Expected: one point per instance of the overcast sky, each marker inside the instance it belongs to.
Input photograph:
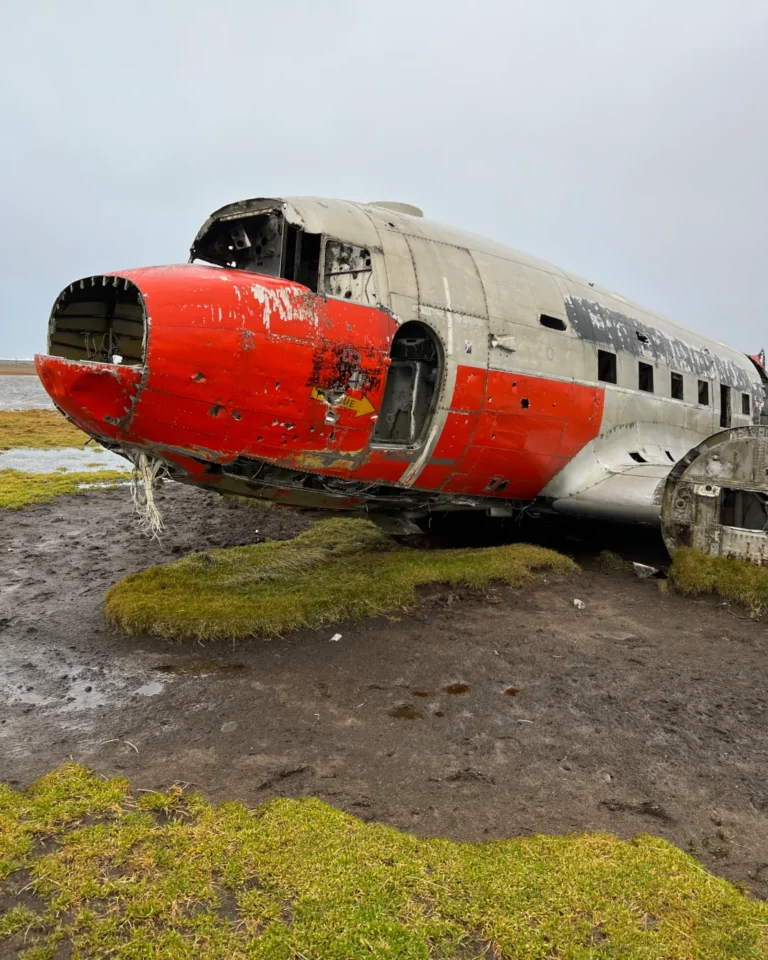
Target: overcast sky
(627, 141)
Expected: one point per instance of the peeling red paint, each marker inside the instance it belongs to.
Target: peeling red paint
(240, 365)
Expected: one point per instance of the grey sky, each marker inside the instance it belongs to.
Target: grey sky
(625, 141)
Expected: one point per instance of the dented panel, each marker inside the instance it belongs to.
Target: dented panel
(716, 497)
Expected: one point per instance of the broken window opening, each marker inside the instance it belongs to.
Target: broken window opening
(606, 366)
(747, 509)
(746, 404)
(725, 405)
(703, 393)
(264, 243)
(552, 323)
(411, 389)
(677, 386)
(100, 319)
(348, 272)
(645, 377)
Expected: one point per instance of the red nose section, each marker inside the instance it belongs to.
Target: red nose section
(209, 364)
(99, 397)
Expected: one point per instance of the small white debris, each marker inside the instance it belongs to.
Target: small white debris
(644, 571)
(229, 727)
(579, 604)
(335, 638)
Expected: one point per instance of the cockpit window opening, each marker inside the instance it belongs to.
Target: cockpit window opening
(412, 385)
(746, 404)
(263, 243)
(348, 272)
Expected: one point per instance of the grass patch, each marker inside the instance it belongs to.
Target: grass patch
(169, 876)
(39, 429)
(694, 572)
(19, 489)
(338, 569)
(610, 562)
(237, 499)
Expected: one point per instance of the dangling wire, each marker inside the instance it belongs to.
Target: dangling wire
(147, 473)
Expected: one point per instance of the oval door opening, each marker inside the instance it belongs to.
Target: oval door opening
(411, 391)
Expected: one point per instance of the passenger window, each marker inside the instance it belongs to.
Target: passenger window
(677, 386)
(606, 366)
(703, 393)
(725, 405)
(552, 323)
(645, 377)
(348, 272)
(746, 404)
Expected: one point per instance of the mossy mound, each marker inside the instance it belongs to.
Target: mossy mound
(694, 572)
(338, 569)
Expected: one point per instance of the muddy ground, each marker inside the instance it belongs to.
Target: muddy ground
(643, 712)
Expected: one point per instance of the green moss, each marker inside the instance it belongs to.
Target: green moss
(169, 876)
(338, 569)
(253, 501)
(39, 429)
(694, 572)
(19, 489)
(609, 562)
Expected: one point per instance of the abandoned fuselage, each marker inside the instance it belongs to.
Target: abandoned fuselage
(347, 355)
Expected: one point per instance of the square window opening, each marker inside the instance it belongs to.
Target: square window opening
(703, 393)
(746, 404)
(606, 366)
(677, 386)
(645, 377)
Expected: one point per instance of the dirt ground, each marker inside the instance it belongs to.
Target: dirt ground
(643, 712)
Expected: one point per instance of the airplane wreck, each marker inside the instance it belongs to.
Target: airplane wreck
(357, 356)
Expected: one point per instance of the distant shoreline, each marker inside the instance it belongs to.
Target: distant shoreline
(20, 369)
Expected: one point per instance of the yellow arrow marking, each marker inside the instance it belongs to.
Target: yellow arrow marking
(361, 408)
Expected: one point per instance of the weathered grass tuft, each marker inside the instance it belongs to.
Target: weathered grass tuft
(19, 489)
(338, 569)
(609, 562)
(168, 876)
(694, 572)
(38, 429)
(236, 498)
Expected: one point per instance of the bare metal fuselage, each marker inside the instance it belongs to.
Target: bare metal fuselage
(349, 355)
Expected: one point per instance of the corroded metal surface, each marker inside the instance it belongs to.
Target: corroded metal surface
(716, 498)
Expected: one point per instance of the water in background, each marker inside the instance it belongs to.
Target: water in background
(20, 392)
(62, 458)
